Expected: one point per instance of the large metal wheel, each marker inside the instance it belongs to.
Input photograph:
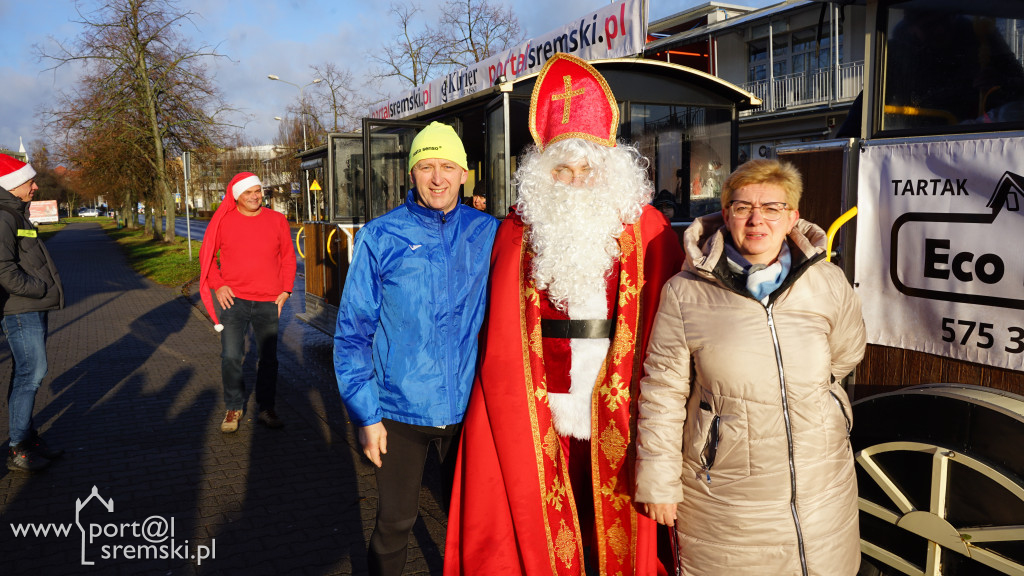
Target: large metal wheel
(940, 470)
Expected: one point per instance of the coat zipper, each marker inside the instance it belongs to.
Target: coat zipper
(789, 439)
(710, 451)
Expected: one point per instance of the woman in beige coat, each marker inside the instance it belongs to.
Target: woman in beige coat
(743, 435)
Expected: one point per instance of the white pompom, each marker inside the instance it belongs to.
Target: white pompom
(219, 327)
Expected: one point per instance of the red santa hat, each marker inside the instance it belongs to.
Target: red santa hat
(14, 172)
(240, 183)
(572, 100)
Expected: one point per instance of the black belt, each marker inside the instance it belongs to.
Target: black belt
(551, 328)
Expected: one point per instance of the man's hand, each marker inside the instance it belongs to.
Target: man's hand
(662, 513)
(225, 297)
(374, 439)
(280, 301)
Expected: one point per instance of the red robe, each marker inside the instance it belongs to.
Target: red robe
(513, 510)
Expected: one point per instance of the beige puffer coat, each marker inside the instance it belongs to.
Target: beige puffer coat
(773, 492)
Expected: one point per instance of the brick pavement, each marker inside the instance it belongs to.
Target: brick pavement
(133, 394)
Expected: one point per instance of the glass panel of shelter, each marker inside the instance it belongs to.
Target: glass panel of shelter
(347, 185)
(689, 149)
(389, 170)
(499, 194)
(516, 112)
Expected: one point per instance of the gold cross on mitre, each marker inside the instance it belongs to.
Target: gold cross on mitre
(567, 97)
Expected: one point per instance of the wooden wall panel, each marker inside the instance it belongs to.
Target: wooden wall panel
(885, 369)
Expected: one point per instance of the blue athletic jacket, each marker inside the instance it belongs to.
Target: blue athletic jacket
(406, 341)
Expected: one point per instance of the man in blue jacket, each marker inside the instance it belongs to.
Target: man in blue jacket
(406, 341)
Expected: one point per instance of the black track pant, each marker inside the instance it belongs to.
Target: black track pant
(398, 487)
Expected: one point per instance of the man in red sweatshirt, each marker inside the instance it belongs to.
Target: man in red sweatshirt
(252, 277)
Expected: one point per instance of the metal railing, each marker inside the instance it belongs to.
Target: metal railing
(804, 89)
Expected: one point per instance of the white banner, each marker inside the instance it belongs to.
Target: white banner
(43, 211)
(940, 248)
(615, 31)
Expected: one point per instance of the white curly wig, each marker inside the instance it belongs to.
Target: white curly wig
(574, 229)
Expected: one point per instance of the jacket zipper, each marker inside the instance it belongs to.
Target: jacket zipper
(710, 451)
(789, 439)
(451, 372)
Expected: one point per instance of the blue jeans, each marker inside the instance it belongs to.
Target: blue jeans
(26, 334)
(262, 316)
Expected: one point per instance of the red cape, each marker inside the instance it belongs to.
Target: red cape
(512, 510)
(207, 254)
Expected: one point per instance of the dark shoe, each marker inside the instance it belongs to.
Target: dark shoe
(230, 423)
(269, 419)
(39, 446)
(21, 458)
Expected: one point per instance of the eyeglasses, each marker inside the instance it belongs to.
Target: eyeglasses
(770, 211)
(570, 175)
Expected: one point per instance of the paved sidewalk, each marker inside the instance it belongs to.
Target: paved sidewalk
(133, 394)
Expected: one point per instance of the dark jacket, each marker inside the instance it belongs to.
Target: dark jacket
(29, 281)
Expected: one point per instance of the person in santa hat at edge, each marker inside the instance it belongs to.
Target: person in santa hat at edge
(248, 261)
(29, 288)
(544, 478)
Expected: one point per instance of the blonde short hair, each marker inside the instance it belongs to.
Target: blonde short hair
(778, 173)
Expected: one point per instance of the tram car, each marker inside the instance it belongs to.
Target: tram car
(929, 181)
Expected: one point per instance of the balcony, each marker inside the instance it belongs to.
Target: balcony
(799, 90)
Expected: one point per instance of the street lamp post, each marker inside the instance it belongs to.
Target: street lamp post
(305, 146)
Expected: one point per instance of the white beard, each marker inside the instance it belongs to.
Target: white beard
(577, 256)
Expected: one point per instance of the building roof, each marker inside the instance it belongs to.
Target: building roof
(710, 12)
(721, 26)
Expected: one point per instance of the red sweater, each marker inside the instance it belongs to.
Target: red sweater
(257, 259)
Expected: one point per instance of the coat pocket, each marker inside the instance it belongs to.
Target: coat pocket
(843, 411)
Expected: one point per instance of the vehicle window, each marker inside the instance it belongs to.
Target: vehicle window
(950, 66)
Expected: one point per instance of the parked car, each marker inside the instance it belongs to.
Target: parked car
(88, 212)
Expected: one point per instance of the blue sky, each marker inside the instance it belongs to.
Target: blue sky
(260, 37)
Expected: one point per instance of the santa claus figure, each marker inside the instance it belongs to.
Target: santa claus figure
(544, 479)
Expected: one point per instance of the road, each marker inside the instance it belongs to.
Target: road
(198, 228)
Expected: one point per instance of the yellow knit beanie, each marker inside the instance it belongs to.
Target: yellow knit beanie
(438, 141)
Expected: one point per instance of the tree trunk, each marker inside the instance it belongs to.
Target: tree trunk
(157, 223)
(163, 189)
(169, 231)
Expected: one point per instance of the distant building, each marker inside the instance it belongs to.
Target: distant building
(269, 162)
(803, 59)
(19, 155)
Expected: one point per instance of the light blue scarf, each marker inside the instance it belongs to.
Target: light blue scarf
(761, 280)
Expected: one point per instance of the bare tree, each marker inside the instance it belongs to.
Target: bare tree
(146, 81)
(412, 54)
(475, 30)
(467, 31)
(340, 104)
